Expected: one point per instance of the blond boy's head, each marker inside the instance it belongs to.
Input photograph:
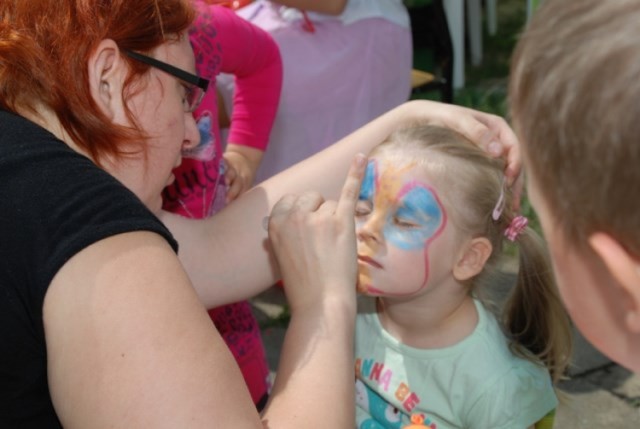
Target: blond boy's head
(575, 105)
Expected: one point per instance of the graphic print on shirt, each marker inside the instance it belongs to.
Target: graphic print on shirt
(375, 373)
(206, 149)
(383, 415)
(380, 414)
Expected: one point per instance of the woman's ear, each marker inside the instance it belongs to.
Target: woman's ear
(473, 256)
(105, 76)
(625, 269)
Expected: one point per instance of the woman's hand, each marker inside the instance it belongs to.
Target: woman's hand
(314, 242)
(490, 132)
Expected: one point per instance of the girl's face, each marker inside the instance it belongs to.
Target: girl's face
(404, 243)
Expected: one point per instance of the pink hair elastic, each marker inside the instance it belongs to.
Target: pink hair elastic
(517, 225)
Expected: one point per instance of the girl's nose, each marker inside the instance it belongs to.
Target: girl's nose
(370, 230)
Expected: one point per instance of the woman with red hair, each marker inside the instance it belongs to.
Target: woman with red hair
(101, 324)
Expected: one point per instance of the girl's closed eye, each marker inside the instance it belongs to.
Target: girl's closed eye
(363, 208)
(405, 223)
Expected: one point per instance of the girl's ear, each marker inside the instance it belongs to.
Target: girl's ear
(473, 256)
(105, 68)
(625, 269)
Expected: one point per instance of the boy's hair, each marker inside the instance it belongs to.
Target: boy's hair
(534, 317)
(44, 49)
(574, 100)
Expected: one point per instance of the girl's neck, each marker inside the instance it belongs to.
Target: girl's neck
(428, 326)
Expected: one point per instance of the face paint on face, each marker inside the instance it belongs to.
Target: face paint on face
(397, 218)
(369, 181)
(417, 220)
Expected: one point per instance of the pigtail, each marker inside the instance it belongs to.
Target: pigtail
(534, 316)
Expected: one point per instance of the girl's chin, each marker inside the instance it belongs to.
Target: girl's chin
(368, 290)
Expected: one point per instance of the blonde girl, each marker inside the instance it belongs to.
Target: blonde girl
(432, 218)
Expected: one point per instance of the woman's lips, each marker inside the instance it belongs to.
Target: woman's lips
(369, 261)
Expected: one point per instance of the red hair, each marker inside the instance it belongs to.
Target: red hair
(45, 46)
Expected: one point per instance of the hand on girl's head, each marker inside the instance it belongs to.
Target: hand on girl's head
(488, 131)
(495, 136)
(499, 140)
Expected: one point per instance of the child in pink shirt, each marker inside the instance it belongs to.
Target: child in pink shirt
(210, 176)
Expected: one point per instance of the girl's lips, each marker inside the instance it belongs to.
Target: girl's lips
(367, 260)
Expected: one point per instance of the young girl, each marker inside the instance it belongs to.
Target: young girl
(432, 217)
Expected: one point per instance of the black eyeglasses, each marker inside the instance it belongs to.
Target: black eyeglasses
(194, 92)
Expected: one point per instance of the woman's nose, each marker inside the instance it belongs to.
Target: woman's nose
(191, 133)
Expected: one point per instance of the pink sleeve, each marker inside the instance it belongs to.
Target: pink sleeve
(252, 55)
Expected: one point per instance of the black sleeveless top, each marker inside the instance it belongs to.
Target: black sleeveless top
(54, 202)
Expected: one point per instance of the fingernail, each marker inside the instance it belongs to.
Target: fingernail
(360, 159)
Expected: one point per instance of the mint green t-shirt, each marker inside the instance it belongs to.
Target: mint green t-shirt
(477, 383)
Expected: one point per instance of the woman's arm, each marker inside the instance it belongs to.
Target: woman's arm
(210, 249)
(315, 244)
(130, 345)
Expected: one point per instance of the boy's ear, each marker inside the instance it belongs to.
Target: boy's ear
(105, 68)
(625, 269)
(473, 256)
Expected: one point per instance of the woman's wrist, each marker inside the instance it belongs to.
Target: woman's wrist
(331, 305)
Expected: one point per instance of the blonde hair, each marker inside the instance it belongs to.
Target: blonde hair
(533, 316)
(574, 91)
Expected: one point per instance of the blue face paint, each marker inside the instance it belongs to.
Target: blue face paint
(409, 214)
(368, 182)
(417, 219)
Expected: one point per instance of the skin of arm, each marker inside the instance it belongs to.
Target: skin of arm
(329, 7)
(236, 232)
(129, 344)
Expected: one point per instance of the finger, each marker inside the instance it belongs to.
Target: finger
(517, 189)
(514, 164)
(309, 201)
(496, 136)
(500, 140)
(349, 196)
(477, 127)
(328, 207)
(230, 175)
(234, 190)
(282, 206)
